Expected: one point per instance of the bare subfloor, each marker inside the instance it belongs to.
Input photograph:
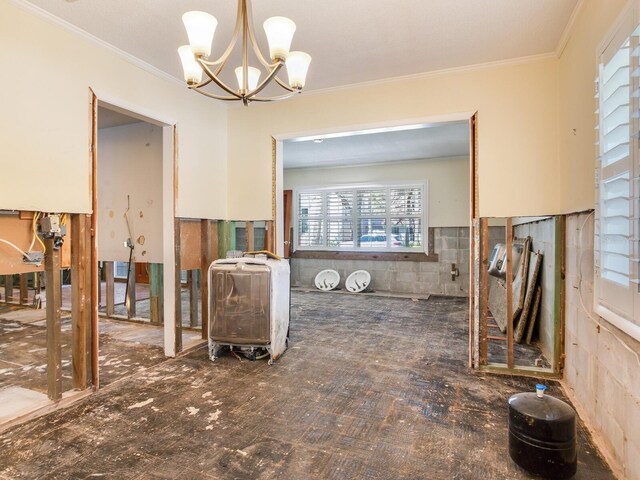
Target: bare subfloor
(371, 388)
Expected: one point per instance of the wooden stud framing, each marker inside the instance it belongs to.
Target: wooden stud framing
(209, 251)
(80, 300)
(509, 285)
(560, 228)
(178, 288)
(110, 287)
(95, 280)
(156, 303)
(249, 243)
(54, 331)
(483, 297)
(474, 252)
(269, 236)
(24, 290)
(8, 288)
(193, 298)
(131, 292)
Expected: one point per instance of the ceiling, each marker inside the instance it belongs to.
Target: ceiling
(417, 142)
(109, 118)
(351, 41)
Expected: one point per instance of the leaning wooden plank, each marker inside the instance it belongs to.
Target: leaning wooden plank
(534, 314)
(519, 282)
(534, 269)
(498, 302)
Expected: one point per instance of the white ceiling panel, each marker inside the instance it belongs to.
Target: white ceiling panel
(351, 41)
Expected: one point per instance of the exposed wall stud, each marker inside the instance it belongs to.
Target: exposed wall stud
(178, 289)
(509, 285)
(110, 287)
(80, 300)
(54, 331)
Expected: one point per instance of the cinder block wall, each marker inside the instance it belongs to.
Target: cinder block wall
(542, 234)
(601, 374)
(451, 245)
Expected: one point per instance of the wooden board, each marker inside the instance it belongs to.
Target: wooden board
(534, 314)
(18, 231)
(522, 273)
(534, 269)
(190, 244)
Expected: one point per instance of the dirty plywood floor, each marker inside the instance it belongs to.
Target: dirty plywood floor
(371, 388)
(124, 349)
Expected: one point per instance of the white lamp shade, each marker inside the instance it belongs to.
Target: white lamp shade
(279, 32)
(253, 74)
(200, 28)
(192, 71)
(297, 67)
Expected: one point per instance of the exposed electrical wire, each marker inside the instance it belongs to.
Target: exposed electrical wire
(24, 254)
(589, 315)
(34, 222)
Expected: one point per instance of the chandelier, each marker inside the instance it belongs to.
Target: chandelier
(201, 27)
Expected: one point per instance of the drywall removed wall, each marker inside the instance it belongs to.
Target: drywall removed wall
(130, 180)
(447, 183)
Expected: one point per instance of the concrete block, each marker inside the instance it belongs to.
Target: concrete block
(407, 267)
(429, 267)
(449, 256)
(432, 278)
(450, 243)
(408, 277)
(449, 232)
(463, 232)
(454, 289)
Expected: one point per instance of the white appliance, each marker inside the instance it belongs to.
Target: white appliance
(249, 306)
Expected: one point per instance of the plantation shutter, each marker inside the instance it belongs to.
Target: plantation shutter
(310, 219)
(617, 213)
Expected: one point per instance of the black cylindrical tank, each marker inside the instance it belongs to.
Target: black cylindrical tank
(542, 434)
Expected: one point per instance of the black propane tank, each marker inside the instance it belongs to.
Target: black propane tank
(542, 434)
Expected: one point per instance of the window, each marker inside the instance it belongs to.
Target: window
(617, 211)
(365, 218)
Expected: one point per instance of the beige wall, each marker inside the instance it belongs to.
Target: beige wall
(130, 178)
(518, 145)
(47, 73)
(447, 183)
(577, 72)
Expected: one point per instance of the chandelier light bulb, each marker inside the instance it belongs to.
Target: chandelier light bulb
(297, 67)
(253, 77)
(279, 32)
(200, 28)
(192, 71)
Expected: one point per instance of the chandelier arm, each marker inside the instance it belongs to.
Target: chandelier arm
(274, 99)
(264, 83)
(216, 97)
(222, 59)
(254, 43)
(217, 81)
(285, 86)
(201, 84)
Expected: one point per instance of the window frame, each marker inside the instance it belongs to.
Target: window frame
(617, 304)
(354, 187)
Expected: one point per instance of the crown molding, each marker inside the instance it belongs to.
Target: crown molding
(568, 29)
(438, 73)
(50, 18)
